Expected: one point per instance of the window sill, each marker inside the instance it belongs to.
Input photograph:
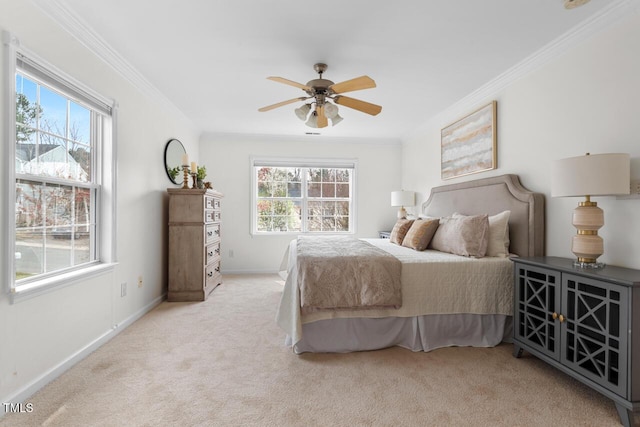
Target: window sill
(44, 286)
(301, 233)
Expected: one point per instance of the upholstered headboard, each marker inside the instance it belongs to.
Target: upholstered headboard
(491, 196)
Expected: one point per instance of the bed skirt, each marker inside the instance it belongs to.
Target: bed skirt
(421, 333)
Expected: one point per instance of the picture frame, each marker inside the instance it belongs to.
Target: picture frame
(469, 145)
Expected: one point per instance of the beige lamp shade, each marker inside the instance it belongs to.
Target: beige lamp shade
(586, 176)
(401, 199)
(591, 175)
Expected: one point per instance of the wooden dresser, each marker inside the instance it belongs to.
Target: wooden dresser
(194, 243)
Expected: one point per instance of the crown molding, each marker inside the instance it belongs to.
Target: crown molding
(605, 18)
(86, 36)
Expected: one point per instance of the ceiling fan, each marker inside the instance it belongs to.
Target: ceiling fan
(322, 91)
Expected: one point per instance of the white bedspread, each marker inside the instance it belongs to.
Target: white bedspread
(432, 283)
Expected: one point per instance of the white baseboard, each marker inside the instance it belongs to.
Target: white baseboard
(248, 272)
(28, 391)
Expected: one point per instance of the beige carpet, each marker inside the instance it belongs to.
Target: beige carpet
(223, 363)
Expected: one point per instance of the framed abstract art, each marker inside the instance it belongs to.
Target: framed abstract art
(469, 144)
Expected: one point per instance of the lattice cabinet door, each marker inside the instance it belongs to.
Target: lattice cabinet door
(594, 334)
(537, 294)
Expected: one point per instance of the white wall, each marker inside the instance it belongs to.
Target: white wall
(40, 336)
(227, 158)
(585, 100)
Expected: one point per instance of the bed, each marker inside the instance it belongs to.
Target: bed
(441, 303)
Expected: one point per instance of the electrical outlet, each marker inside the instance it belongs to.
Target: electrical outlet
(123, 289)
(634, 190)
(139, 281)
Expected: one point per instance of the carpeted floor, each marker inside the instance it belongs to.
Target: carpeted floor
(223, 363)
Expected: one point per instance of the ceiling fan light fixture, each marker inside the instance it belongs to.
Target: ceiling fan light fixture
(330, 110)
(313, 120)
(318, 94)
(303, 111)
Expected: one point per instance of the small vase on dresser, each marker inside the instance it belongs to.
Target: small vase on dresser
(194, 243)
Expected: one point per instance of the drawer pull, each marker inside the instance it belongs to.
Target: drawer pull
(210, 253)
(217, 231)
(560, 317)
(217, 251)
(210, 274)
(218, 269)
(209, 233)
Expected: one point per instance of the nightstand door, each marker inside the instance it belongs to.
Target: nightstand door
(537, 297)
(594, 334)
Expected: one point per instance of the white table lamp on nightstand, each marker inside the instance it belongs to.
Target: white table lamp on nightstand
(586, 176)
(401, 199)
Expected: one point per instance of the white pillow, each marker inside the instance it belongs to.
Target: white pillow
(498, 234)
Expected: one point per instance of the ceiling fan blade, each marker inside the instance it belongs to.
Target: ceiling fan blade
(356, 104)
(359, 83)
(290, 83)
(280, 104)
(322, 118)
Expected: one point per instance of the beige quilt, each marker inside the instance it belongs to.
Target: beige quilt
(432, 283)
(337, 272)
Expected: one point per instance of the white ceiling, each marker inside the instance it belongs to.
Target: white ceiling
(210, 58)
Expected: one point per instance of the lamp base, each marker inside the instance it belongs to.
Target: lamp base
(588, 265)
(586, 245)
(402, 213)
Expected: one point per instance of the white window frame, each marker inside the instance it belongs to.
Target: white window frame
(105, 188)
(325, 163)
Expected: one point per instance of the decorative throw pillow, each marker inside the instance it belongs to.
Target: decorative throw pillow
(400, 230)
(466, 236)
(420, 234)
(498, 245)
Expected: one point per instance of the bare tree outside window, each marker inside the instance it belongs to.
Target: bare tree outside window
(54, 195)
(303, 199)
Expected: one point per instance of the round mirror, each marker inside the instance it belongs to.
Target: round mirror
(173, 160)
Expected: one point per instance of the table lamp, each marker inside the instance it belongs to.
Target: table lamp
(401, 199)
(587, 176)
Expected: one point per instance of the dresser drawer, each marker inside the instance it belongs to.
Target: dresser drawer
(211, 216)
(208, 202)
(212, 233)
(211, 203)
(212, 275)
(212, 253)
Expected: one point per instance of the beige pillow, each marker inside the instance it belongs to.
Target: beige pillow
(420, 234)
(465, 235)
(400, 230)
(498, 245)
(499, 235)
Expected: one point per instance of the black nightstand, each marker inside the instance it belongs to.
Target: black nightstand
(582, 321)
(384, 234)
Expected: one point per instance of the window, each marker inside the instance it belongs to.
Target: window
(303, 196)
(59, 137)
